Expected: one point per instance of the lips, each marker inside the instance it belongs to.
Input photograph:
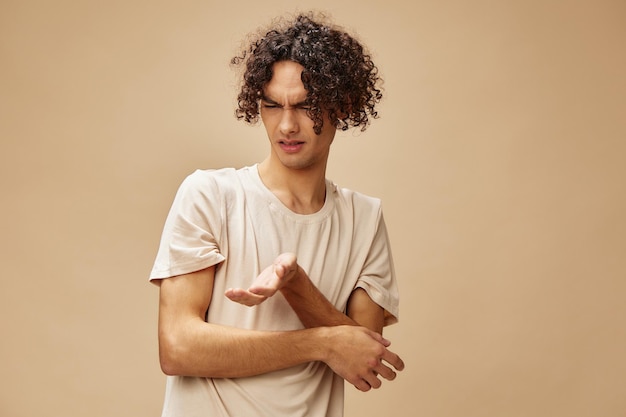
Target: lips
(290, 146)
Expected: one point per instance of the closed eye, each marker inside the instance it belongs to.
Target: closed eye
(268, 103)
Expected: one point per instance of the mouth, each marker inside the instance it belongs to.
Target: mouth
(290, 146)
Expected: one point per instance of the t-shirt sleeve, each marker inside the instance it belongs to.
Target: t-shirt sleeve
(378, 277)
(191, 231)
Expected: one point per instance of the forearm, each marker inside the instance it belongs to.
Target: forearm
(189, 346)
(314, 309)
(207, 350)
(197, 348)
(311, 306)
(192, 347)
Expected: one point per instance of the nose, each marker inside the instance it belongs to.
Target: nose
(288, 121)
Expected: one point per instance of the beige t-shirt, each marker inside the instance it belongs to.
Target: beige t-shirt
(229, 218)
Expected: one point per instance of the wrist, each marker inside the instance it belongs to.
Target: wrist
(322, 343)
(295, 282)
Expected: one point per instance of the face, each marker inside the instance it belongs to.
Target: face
(284, 107)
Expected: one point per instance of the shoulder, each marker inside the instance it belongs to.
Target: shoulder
(206, 177)
(212, 181)
(222, 187)
(359, 203)
(355, 198)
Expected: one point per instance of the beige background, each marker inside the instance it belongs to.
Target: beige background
(499, 156)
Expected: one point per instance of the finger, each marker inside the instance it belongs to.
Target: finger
(235, 293)
(279, 270)
(262, 291)
(393, 359)
(286, 258)
(241, 296)
(362, 385)
(373, 381)
(285, 266)
(385, 371)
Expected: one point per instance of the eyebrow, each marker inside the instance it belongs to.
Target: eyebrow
(268, 100)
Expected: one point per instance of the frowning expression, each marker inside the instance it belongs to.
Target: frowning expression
(290, 130)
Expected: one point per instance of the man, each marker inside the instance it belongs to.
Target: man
(275, 283)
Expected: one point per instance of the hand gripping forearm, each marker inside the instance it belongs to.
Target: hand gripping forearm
(356, 353)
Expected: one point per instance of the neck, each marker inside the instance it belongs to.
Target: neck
(303, 191)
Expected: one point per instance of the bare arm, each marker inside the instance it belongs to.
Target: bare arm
(363, 310)
(190, 346)
(314, 310)
(311, 306)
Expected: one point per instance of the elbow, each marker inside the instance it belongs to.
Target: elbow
(168, 366)
(171, 356)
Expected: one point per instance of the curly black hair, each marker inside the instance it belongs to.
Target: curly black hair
(339, 75)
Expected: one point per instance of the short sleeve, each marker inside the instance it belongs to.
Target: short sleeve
(378, 275)
(192, 228)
